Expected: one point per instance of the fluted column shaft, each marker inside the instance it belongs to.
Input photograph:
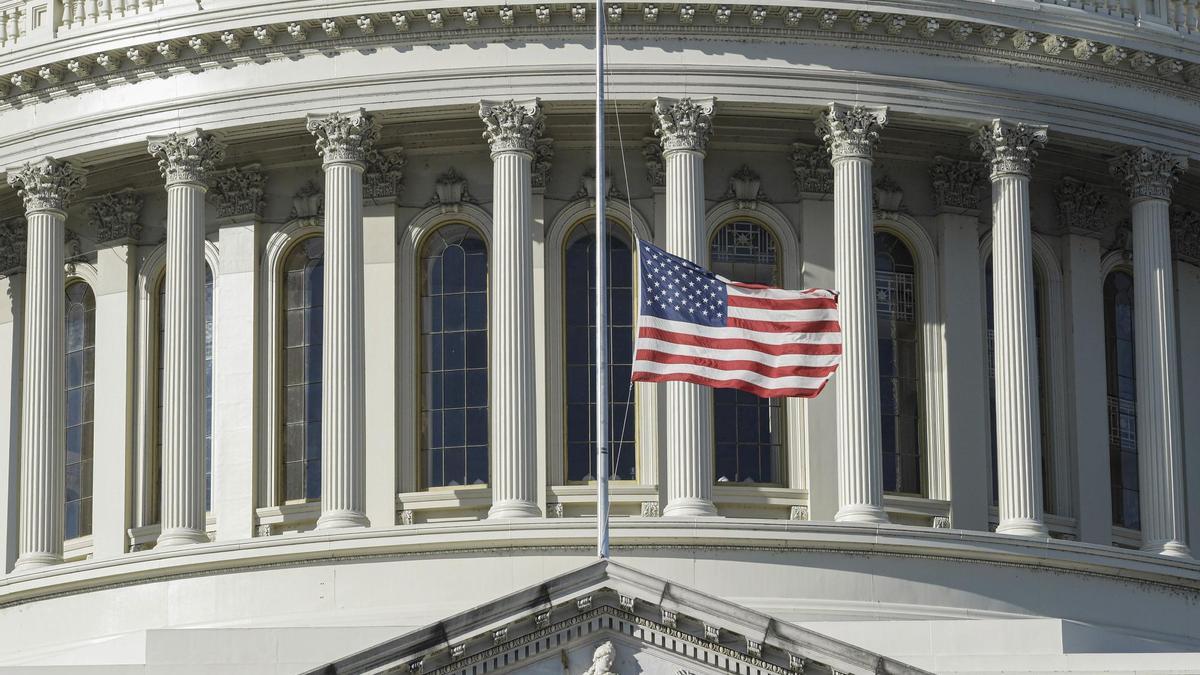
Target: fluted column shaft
(850, 133)
(512, 128)
(185, 160)
(684, 127)
(1011, 149)
(1149, 175)
(46, 188)
(344, 141)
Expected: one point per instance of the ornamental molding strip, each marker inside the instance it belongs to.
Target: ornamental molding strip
(240, 191)
(684, 123)
(47, 185)
(1148, 174)
(811, 170)
(1082, 208)
(851, 131)
(1185, 234)
(384, 177)
(957, 184)
(360, 32)
(186, 157)
(512, 126)
(12, 246)
(116, 217)
(344, 137)
(1010, 147)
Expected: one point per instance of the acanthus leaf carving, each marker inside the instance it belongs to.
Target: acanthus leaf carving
(656, 169)
(116, 217)
(684, 124)
(344, 137)
(512, 126)
(12, 246)
(188, 157)
(851, 130)
(47, 185)
(1147, 173)
(240, 191)
(957, 183)
(811, 169)
(543, 154)
(384, 176)
(1082, 208)
(1010, 147)
(1185, 234)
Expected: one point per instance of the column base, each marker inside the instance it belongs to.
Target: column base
(1173, 549)
(513, 508)
(1023, 527)
(690, 507)
(334, 520)
(862, 513)
(181, 536)
(35, 561)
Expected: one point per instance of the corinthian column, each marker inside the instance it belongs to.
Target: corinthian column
(1010, 148)
(185, 161)
(1149, 176)
(47, 188)
(343, 140)
(850, 132)
(684, 127)
(512, 129)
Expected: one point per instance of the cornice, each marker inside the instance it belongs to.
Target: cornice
(64, 76)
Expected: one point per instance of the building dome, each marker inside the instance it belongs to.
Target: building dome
(297, 363)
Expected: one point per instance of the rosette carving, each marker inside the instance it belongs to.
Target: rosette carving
(344, 137)
(240, 191)
(48, 185)
(1010, 147)
(117, 216)
(684, 124)
(956, 183)
(12, 246)
(1082, 209)
(1148, 174)
(851, 130)
(512, 126)
(188, 157)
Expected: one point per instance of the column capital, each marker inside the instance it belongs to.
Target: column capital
(684, 123)
(186, 157)
(12, 246)
(1148, 174)
(851, 130)
(47, 185)
(344, 137)
(239, 191)
(117, 216)
(512, 126)
(1010, 147)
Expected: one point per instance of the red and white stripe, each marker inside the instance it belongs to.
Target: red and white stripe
(774, 343)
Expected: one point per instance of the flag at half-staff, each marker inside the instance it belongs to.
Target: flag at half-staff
(696, 326)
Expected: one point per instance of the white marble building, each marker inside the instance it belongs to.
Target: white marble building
(294, 337)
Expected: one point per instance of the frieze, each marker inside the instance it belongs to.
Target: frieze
(811, 170)
(47, 185)
(1147, 173)
(1082, 208)
(957, 183)
(1185, 234)
(116, 217)
(240, 191)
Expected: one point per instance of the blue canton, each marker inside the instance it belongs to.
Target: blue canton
(679, 290)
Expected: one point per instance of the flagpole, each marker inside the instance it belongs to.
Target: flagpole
(602, 407)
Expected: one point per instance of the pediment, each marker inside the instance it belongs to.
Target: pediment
(653, 626)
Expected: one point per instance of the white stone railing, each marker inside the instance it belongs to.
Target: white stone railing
(23, 21)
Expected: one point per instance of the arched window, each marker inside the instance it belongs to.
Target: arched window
(749, 435)
(156, 494)
(1043, 400)
(899, 363)
(303, 317)
(81, 398)
(579, 310)
(1122, 399)
(454, 357)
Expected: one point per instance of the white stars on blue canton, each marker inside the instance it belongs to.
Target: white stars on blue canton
(680, 290)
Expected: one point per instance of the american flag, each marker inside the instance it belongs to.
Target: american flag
(696, 326)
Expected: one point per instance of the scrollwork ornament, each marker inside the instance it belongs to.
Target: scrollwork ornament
(956, 183)
(1010, 147)
(851, 130)
(543, 153)
(12, 246)
(187, 158)
(240, 192)
(656, 169)
(1148, 174)
(344, 137)
(512, 126)
(117, 217)
(811, 169)
(384, 176)
(1185, 234)
(684, 124)
(48, 185)
(1082, 209)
